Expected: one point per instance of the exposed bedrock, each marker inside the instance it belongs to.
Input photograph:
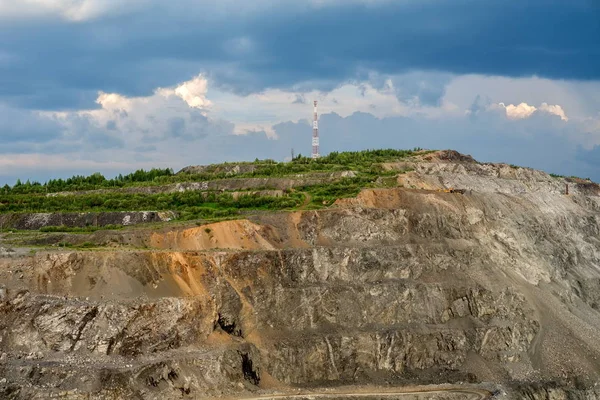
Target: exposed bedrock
(404, 286)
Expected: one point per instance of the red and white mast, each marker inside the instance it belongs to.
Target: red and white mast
(315, 138)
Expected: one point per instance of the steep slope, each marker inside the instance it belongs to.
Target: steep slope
(495, 290)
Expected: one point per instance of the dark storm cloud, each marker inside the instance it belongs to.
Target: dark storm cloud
(61, 65)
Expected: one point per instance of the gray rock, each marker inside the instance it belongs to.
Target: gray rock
(498, 288)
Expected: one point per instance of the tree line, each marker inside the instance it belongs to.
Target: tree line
(91, 182)
(365, 161)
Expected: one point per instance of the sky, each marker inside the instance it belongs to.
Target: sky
(112, 86)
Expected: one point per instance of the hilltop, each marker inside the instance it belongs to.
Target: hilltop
(371, 272)
(220, 191)
(198, 192)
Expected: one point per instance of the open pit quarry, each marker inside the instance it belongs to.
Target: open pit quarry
(407, 292)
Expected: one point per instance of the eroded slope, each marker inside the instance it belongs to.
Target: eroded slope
(498, 286)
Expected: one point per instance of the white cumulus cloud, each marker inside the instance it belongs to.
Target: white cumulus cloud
(194, 92)
(113, 101)
(177, 112)
(554, 109)
(521, 111)
(524, 110)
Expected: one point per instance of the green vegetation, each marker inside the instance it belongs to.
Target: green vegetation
(365, 162)
(94, 181)
(85, 245)
(326, 194)
(209, 205)
(86, 229)
(579, 178)
(362, 161)
(190, 204)
(388, 181)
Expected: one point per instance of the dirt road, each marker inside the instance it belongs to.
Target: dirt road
(416, 393)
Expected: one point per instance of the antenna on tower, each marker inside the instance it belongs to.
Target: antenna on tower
(315, 138)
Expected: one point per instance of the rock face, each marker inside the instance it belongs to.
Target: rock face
(34, 221)
(498, 287)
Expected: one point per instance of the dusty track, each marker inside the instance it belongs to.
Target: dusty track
(468, 393)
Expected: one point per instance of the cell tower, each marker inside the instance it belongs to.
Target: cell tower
(315, 138)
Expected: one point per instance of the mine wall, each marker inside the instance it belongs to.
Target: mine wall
(494, 292)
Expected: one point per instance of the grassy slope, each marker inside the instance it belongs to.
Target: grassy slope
(207, 205)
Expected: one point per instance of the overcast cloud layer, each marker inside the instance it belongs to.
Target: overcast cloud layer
(110, 86)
